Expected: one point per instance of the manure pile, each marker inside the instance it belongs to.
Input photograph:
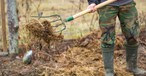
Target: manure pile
(42, 30)
(79, 57)
(76, 61)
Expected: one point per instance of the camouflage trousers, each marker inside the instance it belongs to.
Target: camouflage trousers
(128, 17)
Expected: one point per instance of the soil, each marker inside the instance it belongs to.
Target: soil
(76, 57)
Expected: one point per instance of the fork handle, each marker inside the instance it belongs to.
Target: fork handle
(88, 10)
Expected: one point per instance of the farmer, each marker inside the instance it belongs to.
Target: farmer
(127, 14)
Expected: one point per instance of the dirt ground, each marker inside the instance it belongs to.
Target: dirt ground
(78, 57)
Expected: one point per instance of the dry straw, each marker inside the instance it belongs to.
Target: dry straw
(43, 30)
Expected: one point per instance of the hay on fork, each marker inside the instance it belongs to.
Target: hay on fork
(42, 30)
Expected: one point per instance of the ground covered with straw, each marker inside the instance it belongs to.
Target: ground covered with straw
(59, 57)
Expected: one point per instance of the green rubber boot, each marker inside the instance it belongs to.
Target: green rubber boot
(131, 58)
(108, 57)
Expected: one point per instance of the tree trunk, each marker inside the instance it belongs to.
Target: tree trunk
(12, 26)
(4, 38)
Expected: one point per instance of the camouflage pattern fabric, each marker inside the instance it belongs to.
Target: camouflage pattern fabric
(129, 24)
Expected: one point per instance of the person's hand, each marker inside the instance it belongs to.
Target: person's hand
(91, 6)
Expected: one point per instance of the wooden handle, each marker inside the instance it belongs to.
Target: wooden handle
(96, 7)
(81, 13)
(104, 3)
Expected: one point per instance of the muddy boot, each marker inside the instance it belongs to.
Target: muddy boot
(131, 58)
(108, 58)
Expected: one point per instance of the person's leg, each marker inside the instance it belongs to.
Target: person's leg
(107, 19)
(128, 17)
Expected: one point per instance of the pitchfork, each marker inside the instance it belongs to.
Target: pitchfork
(61, 22)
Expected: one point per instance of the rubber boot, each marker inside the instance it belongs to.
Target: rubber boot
(131, 58)
(108, 57)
